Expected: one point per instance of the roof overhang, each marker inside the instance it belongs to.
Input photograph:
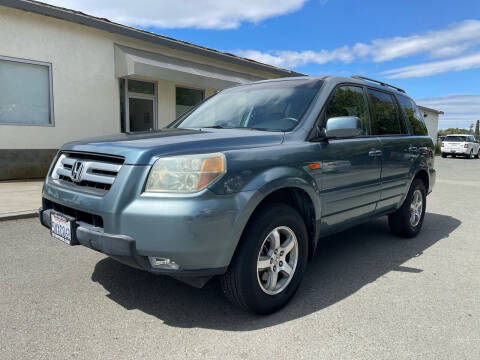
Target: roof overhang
(106, 25)
(439, 112)
(135, 62)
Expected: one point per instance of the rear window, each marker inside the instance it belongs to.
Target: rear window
(413, 115)
(456, 139)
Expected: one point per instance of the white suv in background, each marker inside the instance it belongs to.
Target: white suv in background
(460, 144)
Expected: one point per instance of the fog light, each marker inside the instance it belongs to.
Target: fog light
(163, 263)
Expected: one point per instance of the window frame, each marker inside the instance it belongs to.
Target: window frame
(322, 113)
(204, 91)
(50, 84)
(130, 94)
(399, 112)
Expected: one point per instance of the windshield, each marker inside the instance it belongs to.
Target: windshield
(273, 106)
(456, 139)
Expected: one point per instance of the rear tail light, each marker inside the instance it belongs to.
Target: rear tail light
(443, 144)
(465, 146)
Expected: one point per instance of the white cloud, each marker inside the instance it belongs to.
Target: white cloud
(456, 37)
(435, 67)
(294, 59)
(203, 14)
(452, 41)
(460, 110)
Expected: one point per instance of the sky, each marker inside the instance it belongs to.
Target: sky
(430, 48)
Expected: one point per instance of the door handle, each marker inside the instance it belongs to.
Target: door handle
(412, 149)
(375, 152)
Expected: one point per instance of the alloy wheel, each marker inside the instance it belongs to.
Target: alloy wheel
(416, 208)
(277, 260)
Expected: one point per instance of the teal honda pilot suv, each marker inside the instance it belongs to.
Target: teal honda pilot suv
(245, 184)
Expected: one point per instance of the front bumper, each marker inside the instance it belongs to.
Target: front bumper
(123, 249)
(198, 232)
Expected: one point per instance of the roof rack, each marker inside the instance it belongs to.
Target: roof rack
(377, 81)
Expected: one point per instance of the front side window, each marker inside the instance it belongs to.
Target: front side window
(186, 98)
(413, 115)
(348, 101)
(386, 117)
(25, 92)
(273, 106)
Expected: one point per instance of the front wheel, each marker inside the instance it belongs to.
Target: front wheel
(408, 220)
(270, 261)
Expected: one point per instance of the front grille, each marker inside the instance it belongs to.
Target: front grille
(95, 171)
(83, 216)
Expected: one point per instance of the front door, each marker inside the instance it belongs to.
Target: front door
(138, 100)
(350, 176)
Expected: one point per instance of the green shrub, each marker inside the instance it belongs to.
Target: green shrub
(438, 149)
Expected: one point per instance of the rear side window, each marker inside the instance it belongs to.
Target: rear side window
(348, 101)
(413, 115)
(386, 117)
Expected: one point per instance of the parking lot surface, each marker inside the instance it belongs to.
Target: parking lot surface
(367, 295)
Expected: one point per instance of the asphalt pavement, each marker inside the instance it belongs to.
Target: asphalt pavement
(367, 295)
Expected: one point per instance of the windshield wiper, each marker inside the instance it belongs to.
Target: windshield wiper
(215, 127)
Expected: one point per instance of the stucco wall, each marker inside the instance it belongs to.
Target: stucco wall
(431, 121)
(85, 90)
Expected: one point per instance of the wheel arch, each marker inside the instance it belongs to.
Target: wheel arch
(422, 174)
(298, 198)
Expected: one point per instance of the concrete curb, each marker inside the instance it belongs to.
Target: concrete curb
(19, 215)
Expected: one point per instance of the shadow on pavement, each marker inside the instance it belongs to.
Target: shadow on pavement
(342, 265)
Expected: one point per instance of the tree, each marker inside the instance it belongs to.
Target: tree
(470, 129)
(477, 130)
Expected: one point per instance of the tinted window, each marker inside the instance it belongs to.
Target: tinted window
(456, 139)
(348, 101)
(413, 115)
(187, 99)
(386, 119)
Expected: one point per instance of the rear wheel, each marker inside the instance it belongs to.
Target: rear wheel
(408, 220)
(444, 155)
(270, 261)
(471, 154)
(478, 153)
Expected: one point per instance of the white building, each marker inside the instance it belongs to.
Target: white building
(65, 75)
(431, 120)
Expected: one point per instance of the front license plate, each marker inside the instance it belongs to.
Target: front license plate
(61, 228)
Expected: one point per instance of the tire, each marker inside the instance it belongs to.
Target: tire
(444, 155)
(478, 153)
(244, 284)
(471, 156)
(400, 221)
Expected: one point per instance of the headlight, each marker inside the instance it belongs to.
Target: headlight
(185, 174)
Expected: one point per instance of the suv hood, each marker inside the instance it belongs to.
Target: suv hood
(142, 148)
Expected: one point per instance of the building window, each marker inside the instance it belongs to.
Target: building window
(25, 92)
(138, 105)
(186, 99)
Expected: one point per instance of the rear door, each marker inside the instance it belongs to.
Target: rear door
(350, 176)
(398, 150)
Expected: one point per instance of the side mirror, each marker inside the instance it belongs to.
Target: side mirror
(343, 126)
